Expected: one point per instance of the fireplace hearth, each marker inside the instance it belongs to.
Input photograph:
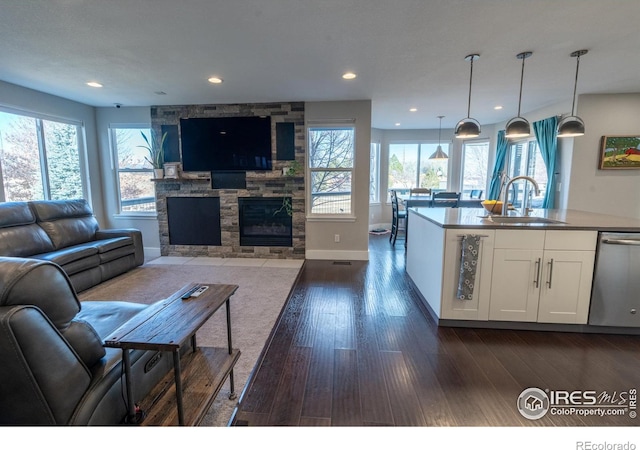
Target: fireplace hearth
(265, 221)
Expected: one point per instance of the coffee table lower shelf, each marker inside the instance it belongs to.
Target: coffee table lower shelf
(203, 374)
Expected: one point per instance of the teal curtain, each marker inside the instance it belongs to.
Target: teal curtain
(498, 168)
(546, 135)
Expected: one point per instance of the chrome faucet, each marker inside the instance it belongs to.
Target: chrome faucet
(505, 204)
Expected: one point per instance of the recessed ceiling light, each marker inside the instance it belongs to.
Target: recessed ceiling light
(349, 76)
(215, 80)
(397, 124)
(497, 107)
(413, 109)
(94, 84)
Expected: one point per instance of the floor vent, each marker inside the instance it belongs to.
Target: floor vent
(342, 263)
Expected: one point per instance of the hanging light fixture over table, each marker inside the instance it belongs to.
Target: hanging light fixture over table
(439, 154)
(468, 127)
(519, 126)
(572, 125)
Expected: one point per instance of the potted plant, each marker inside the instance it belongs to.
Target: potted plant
(155, 147)
(294, 168)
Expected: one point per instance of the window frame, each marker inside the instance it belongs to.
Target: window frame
(350, 216)
(422, 148)
(485, 141)
(374, 173)
(529, 143)
(115, 166)
(83, 165)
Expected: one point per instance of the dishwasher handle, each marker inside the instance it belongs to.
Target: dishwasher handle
(621, 241)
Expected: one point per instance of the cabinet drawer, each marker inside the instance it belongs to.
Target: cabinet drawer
(520, 239)
(570, 240)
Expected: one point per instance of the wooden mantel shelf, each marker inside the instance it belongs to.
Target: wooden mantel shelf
(181, 179)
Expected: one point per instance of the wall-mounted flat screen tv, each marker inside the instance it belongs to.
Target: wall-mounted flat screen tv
(225, 143)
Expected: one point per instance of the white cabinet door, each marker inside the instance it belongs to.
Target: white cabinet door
(478, 307)
(515, 284)
(566, 289)
(542, 276)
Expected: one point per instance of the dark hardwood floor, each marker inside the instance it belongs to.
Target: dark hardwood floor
(354, 347)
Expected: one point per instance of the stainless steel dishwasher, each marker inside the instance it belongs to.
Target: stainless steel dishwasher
(615, 298)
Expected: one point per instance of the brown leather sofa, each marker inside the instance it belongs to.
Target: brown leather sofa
(66, 232)
(53, 367)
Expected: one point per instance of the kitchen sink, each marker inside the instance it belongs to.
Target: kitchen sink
(519, 219)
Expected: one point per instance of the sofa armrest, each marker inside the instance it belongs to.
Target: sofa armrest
(42, 378)
(133, 233)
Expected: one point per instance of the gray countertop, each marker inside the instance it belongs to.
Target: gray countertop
(567, 220)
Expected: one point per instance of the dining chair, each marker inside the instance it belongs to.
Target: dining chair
(398, 216)
(420, 191)
(446, 199)
(476, 193)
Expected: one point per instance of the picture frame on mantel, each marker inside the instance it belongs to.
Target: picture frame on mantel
(620, 152)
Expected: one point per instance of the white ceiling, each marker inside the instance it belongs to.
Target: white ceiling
(406, 53)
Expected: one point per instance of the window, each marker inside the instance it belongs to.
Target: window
(374, 170)
(475, 162)
(40, 159)
(136, 191)
(404, 161)
(524, 158)
(331, 158)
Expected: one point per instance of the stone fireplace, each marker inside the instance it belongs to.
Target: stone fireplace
(242, 233)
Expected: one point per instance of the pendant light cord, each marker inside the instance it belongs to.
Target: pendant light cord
(575, 84)
(521, 80)
(470, 80)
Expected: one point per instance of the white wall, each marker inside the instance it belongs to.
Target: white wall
(604, 191)
(354, 235)
(147, 224)
(30, 101)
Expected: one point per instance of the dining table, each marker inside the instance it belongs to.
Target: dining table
(426, 201)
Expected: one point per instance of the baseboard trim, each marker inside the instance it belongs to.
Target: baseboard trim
(341, 255)
(151, 253)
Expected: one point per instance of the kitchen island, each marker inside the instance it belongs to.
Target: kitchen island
(526, 273)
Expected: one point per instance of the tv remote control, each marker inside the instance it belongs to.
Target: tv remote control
(187, 294)
(199, 291)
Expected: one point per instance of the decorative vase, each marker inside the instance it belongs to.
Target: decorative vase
(158, 174)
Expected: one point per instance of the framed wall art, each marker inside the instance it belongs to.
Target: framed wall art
(620, 152)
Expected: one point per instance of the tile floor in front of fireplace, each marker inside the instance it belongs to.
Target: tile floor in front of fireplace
(238, 262)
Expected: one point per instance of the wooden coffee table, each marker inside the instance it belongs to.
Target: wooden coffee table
(166, 326)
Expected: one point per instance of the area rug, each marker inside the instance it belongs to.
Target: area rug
(255, 306)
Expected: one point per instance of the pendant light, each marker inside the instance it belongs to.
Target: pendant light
(572, 125)
(468, 127)
(519, 127)
(439, 154)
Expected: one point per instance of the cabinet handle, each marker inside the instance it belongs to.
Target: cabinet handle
(621, 241)
(537, 280)
(550, 272)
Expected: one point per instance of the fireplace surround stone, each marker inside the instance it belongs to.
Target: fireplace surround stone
(258, 184)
